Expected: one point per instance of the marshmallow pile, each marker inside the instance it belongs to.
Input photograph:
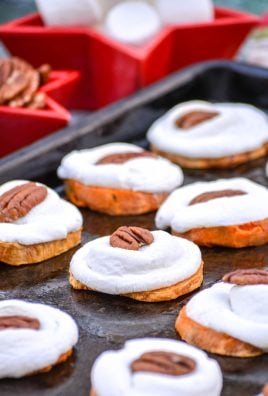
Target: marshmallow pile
(165, 262)
(242, 312)
(148, 174)
(50, 220)
(25, 351)
(111, 373)
(131, 22)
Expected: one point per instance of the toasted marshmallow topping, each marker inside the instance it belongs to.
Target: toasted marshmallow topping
(50, 220)
(177, 212)
(237, 129)
(165, 262)
(147, 174)
(24, 351)
(238, 311)
(112, 374)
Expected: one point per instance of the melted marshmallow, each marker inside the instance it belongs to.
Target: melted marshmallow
(112, 376)
(50, 220)
(237, 129)
(213, 308)
(24, 351)
(167, 261)
(176, 213)
(249, 302)
(140, 174)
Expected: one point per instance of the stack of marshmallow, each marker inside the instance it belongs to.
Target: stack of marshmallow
(128, 21)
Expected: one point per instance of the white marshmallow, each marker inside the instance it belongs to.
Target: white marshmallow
(132, 22)
(111, 373)
(212, 308)
(181, 11)
(24, 351)
(150, 174)
(50, 220)
(238, 128)
(176, 212)
(167, 261)
(249, 302)
(70, 12)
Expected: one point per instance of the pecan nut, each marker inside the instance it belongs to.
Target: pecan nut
(121, 158)
(247, 277)
(19, 82)
(38, 101)
(131, 238)
(167, 363)
(44, 72)
(207, 196)
(19, 322)
(194, 118)
(18, 201)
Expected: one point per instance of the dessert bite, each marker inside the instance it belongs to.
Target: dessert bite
(139, 264)
(35, 223)
(33, 338)
(151, 366)
(118, 179)
(227, 212)
(229, 318)
(203, 135)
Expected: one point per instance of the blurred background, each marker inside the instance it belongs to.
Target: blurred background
(10, 9)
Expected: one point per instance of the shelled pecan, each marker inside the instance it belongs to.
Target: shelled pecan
(131, 238)
(247, 277)
(194, 118)
(19, 83)
(167, 363)
(19, 322)
(208, 196)
(18, 201)
(121, 158)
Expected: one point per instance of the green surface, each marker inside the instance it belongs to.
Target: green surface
(254, 6)
(10, 9)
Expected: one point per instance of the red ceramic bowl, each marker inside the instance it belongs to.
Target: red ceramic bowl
(111, 70)
(264, 19)
(20, 126)
(61, 86)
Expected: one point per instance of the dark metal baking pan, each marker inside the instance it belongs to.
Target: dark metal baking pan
(105, 322)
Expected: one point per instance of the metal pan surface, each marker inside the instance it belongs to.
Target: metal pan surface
(105, 322)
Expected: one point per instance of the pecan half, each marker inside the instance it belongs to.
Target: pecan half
(167, 363)
(44, 72)
(207, 196)
(121, 158)
(247, 277)
(5, 70)
(16, 81)
(38, 101)
(27, 95)
(194, 118)
(131, 238)
(265, 390)
(18, 201)
(18, 322)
